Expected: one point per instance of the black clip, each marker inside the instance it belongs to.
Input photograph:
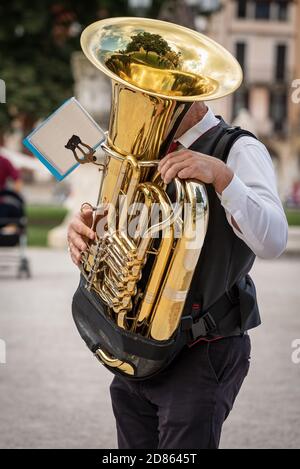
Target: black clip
(203, 327)
(73, 145)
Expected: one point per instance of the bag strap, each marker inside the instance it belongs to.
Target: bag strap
(220, 319)
(225, 143)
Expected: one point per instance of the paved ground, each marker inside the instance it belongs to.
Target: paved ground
(54, 394)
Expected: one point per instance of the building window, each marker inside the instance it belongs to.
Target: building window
(276, 10)
(280, 62)
(282, 8)
(278, 110)
(240, 53)
(240, 101)
(262, 9)
(241, 8)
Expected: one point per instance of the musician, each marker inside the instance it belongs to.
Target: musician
(185, 405)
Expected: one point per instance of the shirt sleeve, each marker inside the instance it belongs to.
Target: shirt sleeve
(252, 200)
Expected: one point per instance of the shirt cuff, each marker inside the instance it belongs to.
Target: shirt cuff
(234, 196)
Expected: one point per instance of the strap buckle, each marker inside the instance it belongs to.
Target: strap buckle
(202, 328)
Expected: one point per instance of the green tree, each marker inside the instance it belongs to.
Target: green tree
(145, 42)
(37, 39)
(148, 42)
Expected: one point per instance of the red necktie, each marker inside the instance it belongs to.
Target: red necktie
(173, 147)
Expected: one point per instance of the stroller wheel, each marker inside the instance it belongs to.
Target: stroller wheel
(24, 269)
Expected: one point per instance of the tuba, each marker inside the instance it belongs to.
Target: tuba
(134, 282)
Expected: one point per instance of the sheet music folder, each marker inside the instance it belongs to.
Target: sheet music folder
(47, 142)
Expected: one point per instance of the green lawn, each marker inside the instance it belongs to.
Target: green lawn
(293, 217)
(41, 218)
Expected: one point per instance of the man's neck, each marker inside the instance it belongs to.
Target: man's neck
(194, 115)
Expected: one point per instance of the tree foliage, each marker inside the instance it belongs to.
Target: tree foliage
(37, 39)
(147, 42)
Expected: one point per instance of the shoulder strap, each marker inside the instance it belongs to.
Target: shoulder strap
(229, 137)
(224, 317)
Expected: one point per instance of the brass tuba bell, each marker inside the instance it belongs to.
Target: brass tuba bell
(142, 278)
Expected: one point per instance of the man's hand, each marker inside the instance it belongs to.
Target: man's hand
(79, 232)
(188, 164)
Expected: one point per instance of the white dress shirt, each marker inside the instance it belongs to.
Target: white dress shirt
(251, 198)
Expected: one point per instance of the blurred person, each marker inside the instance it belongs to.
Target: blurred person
(295, 195)
(185, 405)
(10, 177)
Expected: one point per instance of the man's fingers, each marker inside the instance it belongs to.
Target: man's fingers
(168, 156)
(174, 156)
(179, 156)
(172, 162)
(86, 215)
(173, 170)
(76, 240)
(186, 173)
(75, 254)
(79, 233)
(81, 228)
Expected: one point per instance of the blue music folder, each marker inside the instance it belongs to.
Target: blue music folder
(48, 141)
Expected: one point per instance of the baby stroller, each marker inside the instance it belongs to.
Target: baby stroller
(13, 224)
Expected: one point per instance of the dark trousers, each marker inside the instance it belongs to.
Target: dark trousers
(186, 404)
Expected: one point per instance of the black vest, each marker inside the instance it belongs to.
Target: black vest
(225, 259)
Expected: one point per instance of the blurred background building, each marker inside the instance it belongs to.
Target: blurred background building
(264, 36)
